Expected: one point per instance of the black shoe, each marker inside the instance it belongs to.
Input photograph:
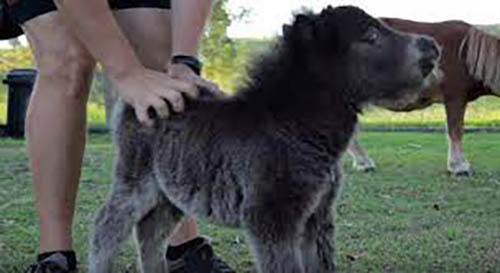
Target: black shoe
(199, 259)
(55, 263)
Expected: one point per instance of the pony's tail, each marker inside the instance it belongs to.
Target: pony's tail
(482, 57)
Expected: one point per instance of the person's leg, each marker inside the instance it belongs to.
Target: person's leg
(148, 30)
(55, 125)
(188, 230)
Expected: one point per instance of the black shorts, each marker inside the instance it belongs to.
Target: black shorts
(25, 10)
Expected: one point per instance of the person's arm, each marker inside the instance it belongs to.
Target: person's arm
(188, 20)
(94, 24)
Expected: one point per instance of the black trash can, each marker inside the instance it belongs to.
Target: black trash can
(20, 83)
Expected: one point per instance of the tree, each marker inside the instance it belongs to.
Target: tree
(17, 57)
(219, 52)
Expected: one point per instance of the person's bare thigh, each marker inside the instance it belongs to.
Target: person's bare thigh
(148, 30)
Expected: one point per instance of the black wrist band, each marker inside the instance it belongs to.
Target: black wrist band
(189, 61)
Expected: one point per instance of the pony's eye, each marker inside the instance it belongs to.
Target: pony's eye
(371, 35)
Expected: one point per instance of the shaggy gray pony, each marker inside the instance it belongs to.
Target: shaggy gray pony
(266, 159)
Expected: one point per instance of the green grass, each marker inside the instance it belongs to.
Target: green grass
(410, 216)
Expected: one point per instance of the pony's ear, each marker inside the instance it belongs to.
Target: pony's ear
(305, 24)
(328, 10)
(302, 19)
(301, 30)
(287, 29)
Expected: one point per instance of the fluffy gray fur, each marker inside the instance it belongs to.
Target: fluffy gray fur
(266, 159)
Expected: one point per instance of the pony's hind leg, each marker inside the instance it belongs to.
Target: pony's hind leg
(113, 225)
(115, 221)
(151, 235)
(134, 193)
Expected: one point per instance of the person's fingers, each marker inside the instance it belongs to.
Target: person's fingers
(210, 86)
(188, 88)
(203, 83)
(179, 85)
(160, 107)
(142, 115)
(175, 99)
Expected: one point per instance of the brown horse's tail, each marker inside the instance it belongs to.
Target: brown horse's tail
(482, 57)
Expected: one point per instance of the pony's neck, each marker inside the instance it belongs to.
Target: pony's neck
(285, 85)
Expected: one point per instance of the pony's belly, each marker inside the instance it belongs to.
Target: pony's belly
(218, 200)
(190, 198)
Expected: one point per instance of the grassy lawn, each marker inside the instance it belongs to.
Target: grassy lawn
(410, 216)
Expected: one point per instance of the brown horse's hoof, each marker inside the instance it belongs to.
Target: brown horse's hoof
(366, 165)
(459, 168)
(369, 170)
(467, 173)
(463, 174)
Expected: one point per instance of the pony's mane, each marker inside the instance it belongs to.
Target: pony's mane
(482, 57)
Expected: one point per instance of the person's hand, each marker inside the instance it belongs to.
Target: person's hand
(145, 89)
(184, 73)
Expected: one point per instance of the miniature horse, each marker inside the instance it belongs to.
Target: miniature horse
(471, 65)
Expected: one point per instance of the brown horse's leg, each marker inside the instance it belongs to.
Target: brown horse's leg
(361, 160)
(455, 112)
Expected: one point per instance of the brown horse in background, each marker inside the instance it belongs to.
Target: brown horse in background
(471, 65)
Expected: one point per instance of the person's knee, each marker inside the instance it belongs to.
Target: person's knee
(71, 73)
